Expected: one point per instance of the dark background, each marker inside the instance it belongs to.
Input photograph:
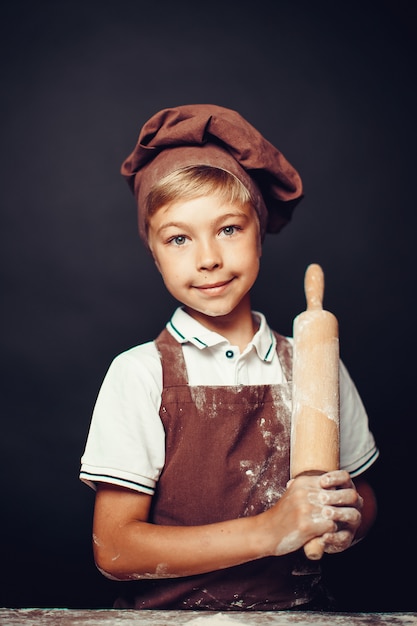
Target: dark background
(332, 84)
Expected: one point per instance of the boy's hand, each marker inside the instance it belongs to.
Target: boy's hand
(346, 507)
(326, 506)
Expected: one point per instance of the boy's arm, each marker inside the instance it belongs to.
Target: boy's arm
(369, 508)
(127, 546)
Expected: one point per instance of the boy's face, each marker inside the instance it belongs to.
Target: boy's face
(208, 253)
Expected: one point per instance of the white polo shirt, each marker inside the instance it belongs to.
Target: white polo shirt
(126, 440)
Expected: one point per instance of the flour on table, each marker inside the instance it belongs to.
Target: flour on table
(215, 620)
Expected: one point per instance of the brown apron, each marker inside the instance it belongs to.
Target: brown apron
(227, 456)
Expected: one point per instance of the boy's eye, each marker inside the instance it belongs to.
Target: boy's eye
(229, 230)
(179, 240)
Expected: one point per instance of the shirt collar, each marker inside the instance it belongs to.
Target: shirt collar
(185, 328)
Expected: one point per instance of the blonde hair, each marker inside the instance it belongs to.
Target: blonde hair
(193, 182)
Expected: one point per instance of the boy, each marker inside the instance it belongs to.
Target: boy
(188, 448)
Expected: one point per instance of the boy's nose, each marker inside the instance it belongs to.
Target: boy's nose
(209, 257)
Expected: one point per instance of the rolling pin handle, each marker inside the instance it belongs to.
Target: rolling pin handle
(314, 287)
(314, 549)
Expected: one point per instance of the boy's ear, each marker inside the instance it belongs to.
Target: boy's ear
(259, 244)
(155, 260)
(259, 248)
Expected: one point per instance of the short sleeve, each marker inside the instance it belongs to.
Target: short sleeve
(126, 442)
(358, 450)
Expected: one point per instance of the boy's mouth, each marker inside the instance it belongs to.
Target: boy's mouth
(214, 287)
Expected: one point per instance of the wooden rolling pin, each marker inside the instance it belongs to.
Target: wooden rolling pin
(315, 414)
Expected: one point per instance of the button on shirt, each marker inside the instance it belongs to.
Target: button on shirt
(125, 444)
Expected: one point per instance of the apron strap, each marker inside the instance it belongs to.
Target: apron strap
(171, 354)
(284, 351)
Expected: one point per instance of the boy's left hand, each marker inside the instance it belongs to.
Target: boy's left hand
(347, 504)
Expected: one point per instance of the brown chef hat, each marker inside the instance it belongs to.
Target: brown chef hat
(207, 134)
